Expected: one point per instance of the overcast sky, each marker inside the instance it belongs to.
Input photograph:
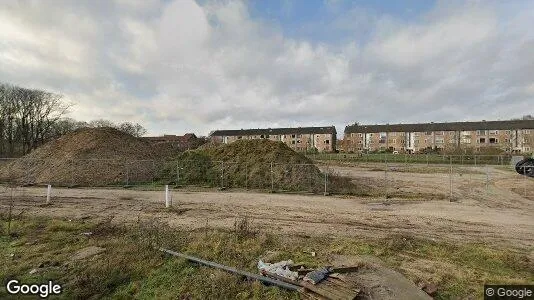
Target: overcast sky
(195, 66)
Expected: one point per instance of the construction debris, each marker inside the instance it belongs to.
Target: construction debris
(249, 275)
(321, 283)
(316, 276)
(279, 268)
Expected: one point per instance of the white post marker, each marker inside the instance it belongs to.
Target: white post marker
(48, 192)
(167, 200)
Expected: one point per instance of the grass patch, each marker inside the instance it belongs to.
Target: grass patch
(131, 268)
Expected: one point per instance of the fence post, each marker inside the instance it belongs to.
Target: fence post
(525, 181)
(450, 177)
(154, 174)
(272, 177)
(167, 200)
(427, 159)
(48, 192)
(246, 176)
(127, 174)
(487, 178)
(177, 173)
(325, 182)
(475, 160)
(386, 179)
(222, 174)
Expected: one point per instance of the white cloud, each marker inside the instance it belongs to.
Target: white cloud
(178, 66)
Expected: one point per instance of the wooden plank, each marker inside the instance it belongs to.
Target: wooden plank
(346, 291)
(325, 291)
(350, 291)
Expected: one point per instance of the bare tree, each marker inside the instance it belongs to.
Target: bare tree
(27, 118)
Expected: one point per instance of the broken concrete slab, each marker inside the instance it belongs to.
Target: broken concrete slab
(377, 281)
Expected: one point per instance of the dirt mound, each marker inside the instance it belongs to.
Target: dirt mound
(88, 156)
(250, 163)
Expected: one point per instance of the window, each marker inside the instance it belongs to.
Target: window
(451, 132)
(527, 149)
(466, 141)
(506, 140)
(481, 132)
(493, 141)
(261, 136)
(466, 132)
(298, 141)
(267, 136)
(299, 136)
(526, 131)
(439, 132)
(428, 133)
(360, 135)
(507, 132)
(393, 133)
(416, 134)
(327, 141)
(352, 135)
(481, 140)
(394, 141)
(494, 132)
(292, 142)
(292, 136)
(239, 137)
(439, 141)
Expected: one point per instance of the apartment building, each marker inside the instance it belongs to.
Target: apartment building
(516, 136)
(299, 139)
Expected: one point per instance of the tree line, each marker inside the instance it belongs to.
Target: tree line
(31, 117)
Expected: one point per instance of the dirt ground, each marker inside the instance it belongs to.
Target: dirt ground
(488, 205)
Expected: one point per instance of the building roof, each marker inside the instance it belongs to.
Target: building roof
(171, 138)
(451, 126)
(296, 130)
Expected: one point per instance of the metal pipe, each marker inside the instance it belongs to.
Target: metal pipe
(261, 278)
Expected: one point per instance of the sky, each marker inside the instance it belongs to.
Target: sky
(178, 66)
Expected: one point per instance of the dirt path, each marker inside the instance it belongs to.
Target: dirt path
(511, 224)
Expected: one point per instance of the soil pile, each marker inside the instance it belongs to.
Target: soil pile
(88, 156)
(252, 164)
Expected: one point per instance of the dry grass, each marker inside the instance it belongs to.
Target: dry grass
(131, 268)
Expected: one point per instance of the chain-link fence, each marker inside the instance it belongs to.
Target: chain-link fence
(463, 159)
(149, 174)
(453, 178)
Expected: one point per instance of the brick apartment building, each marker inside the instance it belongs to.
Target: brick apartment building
(299, 139)
(516, 136)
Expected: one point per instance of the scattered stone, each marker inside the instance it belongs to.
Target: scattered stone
(87, 252)
(33, 271)
(89, 233)
(429, 288)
